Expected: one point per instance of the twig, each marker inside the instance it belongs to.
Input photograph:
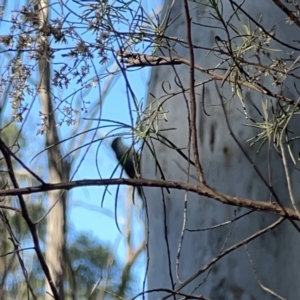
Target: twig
(271, 189)
(222, 224)
(285, 163)
(227, 251)
(25, 167)
(287, 12)
(257, 279)
(131, 59)
(185, 295)
(239, 7)
(214, 76)
(5, 151)
(193, 107)
(16, 245)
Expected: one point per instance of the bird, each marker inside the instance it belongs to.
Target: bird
(127, 158)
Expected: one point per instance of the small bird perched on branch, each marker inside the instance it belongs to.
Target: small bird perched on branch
(127, 158)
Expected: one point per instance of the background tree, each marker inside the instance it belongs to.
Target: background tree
(233, 105)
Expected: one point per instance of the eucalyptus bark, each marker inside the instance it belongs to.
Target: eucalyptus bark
(274, 255)
(58, 169)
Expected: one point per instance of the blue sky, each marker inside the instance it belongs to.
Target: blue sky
(85, 213)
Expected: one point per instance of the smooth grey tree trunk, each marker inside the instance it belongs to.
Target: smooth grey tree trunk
(59, 171)
(275, 255)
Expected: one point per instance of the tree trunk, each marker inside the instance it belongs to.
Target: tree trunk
(58, 169)
(274, 255)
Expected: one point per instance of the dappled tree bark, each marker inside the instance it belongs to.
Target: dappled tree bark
(274, 256)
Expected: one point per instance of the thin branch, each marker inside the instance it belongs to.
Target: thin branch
(206, 191)
(227, 251)
(131, 59)
(239, 7)
(16, 250)
(172, 292)
(16, 245)
(222, 224)
(25, 167)
(193, 107)
(215, 76)
(11, 208)
(30, 224)
(287, 12)
(271, 189)
(257, 279)
(285, 163)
